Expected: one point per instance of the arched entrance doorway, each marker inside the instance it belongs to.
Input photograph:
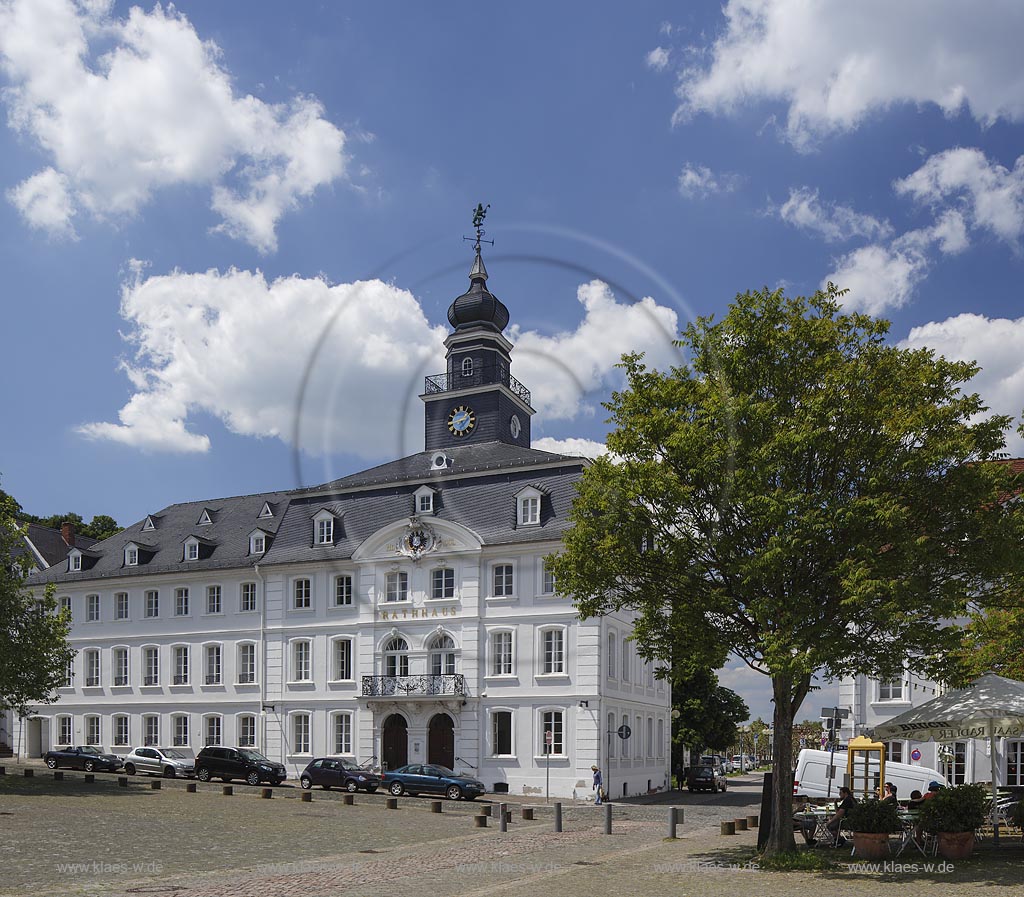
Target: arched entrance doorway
(394, 742)
(441, 741)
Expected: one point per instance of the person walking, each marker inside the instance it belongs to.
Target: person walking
(598, 783)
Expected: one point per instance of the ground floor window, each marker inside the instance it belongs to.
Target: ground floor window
(213, 730)
(343, 733)
(247, 731)
(121, 731)
(300, 731)
(894, 751)
(552, 730)
(954, 762)
(1015, 763)
(501, 733)
(151, 730)
(180, 730)
(92, 730)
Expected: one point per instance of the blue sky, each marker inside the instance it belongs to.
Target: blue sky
(206, 205)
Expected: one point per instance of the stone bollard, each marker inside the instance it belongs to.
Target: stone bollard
(751, 822)
(90, 778)
(480, 821)
(122, 781)
(349, 799)
(527, 813)
(58, 776)
(391, 803)
(607, 819)
(485, 810)
(155, 785)
(227, 790)
(306, 796)
(267, 793)
(502, 818)
(558, 815)
(190, 788)
(436, 806)
(672, 819)
(3, 770)
(29, 773)
(728, 828)
(741, 823)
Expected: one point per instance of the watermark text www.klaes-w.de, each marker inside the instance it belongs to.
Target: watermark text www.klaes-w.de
(96, 867)
(893, 866)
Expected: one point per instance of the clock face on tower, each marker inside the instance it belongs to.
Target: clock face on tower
(461, 420)
(514, 426)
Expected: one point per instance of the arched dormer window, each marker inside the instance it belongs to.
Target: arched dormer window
(424, 500)
(396, 657)
(442, 655)
(467, 367)
(528, 506)
(131, 555)
(323, 528)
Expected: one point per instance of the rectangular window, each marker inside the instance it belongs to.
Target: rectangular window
(303, 593)
(92, 730)
(121, 731)
(213, 604)
(247, 731)
(92, 668)
(325, 531)
(180, 730)
(547, 576)
(120, 656)
(552, 723)
(613, 641)
(397, 587)
(891, 690)
(76, 562)
(65, 735)
(192, 551)
(151, 666)
(247, 599)
(300, 743)
(343, 590)
(501, 733)
(92, 608)
(152, 604)
(213, 655)
(121, 606)
(343, 659)
(442, 583)
(502, 580)
(501, 654)
(1015, 763)
(529, 510)
(181, 607)
(181, 665)
(343, 733)
(627, 660)
(69, 673)
(131, 557)
(259, 544)
(151, 730)
(213, 729)
(894, 751)
(246, 664)
(65, 605)
(426, 503)
(554, 651)
(301, 668)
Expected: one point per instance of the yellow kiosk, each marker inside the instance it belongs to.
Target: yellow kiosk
(865, 767)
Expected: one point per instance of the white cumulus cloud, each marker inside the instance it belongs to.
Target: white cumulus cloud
(125, 107)
(834, 64)
(832, 221)
(657, 59)
(573, 445)
(700, 182)
(879, 278)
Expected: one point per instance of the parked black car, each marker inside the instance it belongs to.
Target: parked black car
(88, 758)
(330, 772)
(229, 763)
(415, 779)
(705, 778)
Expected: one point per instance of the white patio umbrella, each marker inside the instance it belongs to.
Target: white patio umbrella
(990, 707)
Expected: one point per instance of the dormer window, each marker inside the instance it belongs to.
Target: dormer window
(204, 519)
(149, 525)
(192, 550)
(74, 560)
(424, 498)
(528, 506)
(257, 543)
(131, 556)
(267, 512)
(467, 367)
(323, 528)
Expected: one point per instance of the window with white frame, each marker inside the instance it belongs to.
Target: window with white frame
(501, 653)
(302, 594)
(325, 531)
(547, 578)
(192, 551)
(552, 721)
(151, 729)
(396, 586)
(501, 733)
(343, 733)
(247, 597)
(300, 733)
(302, 661)
(257, 543)
(131, 556)
(502, 581)
(613, 643)
(247, 730)
(442, 655)
(638, 736)
(180, 654)
(246, 663)
(152, 601)
(213, 665)
(213, 600)
(649, 672)
(121, 731)
(92, 608)
(214, 727)
(342, 659)
(92, 730)
(74, 562)
(151, 665)
(120, 664)
(65, 605)
(529, 510)
(179, 730)
(661, 739)
(65, 732)
(442, 583)
(69, 673)
(552, 651)
(343, 590)
(650, 738)
(425, 502)
(1015, 763)
(893, 751)
(467, 367)
(627, 659)
(181, 602)
(396, 657)
(92, 668)
(120, 605)
(890, 690)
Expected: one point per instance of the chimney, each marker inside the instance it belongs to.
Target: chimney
(67, 533)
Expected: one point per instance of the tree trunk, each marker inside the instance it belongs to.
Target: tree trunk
(780, 838)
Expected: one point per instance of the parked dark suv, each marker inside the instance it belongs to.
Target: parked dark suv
(238, 763)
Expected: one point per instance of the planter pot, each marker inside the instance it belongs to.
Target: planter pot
(956, 845)
(871, 845)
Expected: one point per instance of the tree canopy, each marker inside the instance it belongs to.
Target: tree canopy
(707, 712)
(800, 494)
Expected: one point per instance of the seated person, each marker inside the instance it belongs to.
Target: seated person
(846, 801)
(916, 801)
(889, 792)
(933, 789)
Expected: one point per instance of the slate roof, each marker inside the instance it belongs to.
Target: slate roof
(50, 547)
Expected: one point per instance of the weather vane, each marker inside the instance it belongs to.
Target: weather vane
(479, 214)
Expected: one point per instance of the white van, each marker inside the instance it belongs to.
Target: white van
(811, 777)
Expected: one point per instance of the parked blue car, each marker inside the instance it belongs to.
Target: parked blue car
(432, 779)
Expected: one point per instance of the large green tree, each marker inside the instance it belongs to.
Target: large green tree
(34, 652)
(801, 494)
(706, 713)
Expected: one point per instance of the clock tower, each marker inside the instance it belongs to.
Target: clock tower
(476, 399)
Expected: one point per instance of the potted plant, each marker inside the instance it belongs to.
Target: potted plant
(872, 822)
(954, 814)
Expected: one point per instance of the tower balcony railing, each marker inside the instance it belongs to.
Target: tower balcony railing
(452, 685)
(481, 376)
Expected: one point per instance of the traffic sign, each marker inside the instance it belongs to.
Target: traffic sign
(624, 732)
(549, 737)
(915, 754)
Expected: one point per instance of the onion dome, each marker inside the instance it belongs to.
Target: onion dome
(478, 307)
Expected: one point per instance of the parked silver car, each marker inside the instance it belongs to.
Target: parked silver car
(157, 761)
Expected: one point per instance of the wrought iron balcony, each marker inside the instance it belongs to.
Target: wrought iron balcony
(481, 376)
(453, 685)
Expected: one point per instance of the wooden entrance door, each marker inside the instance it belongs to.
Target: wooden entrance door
(394, 742)
(441, 741)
